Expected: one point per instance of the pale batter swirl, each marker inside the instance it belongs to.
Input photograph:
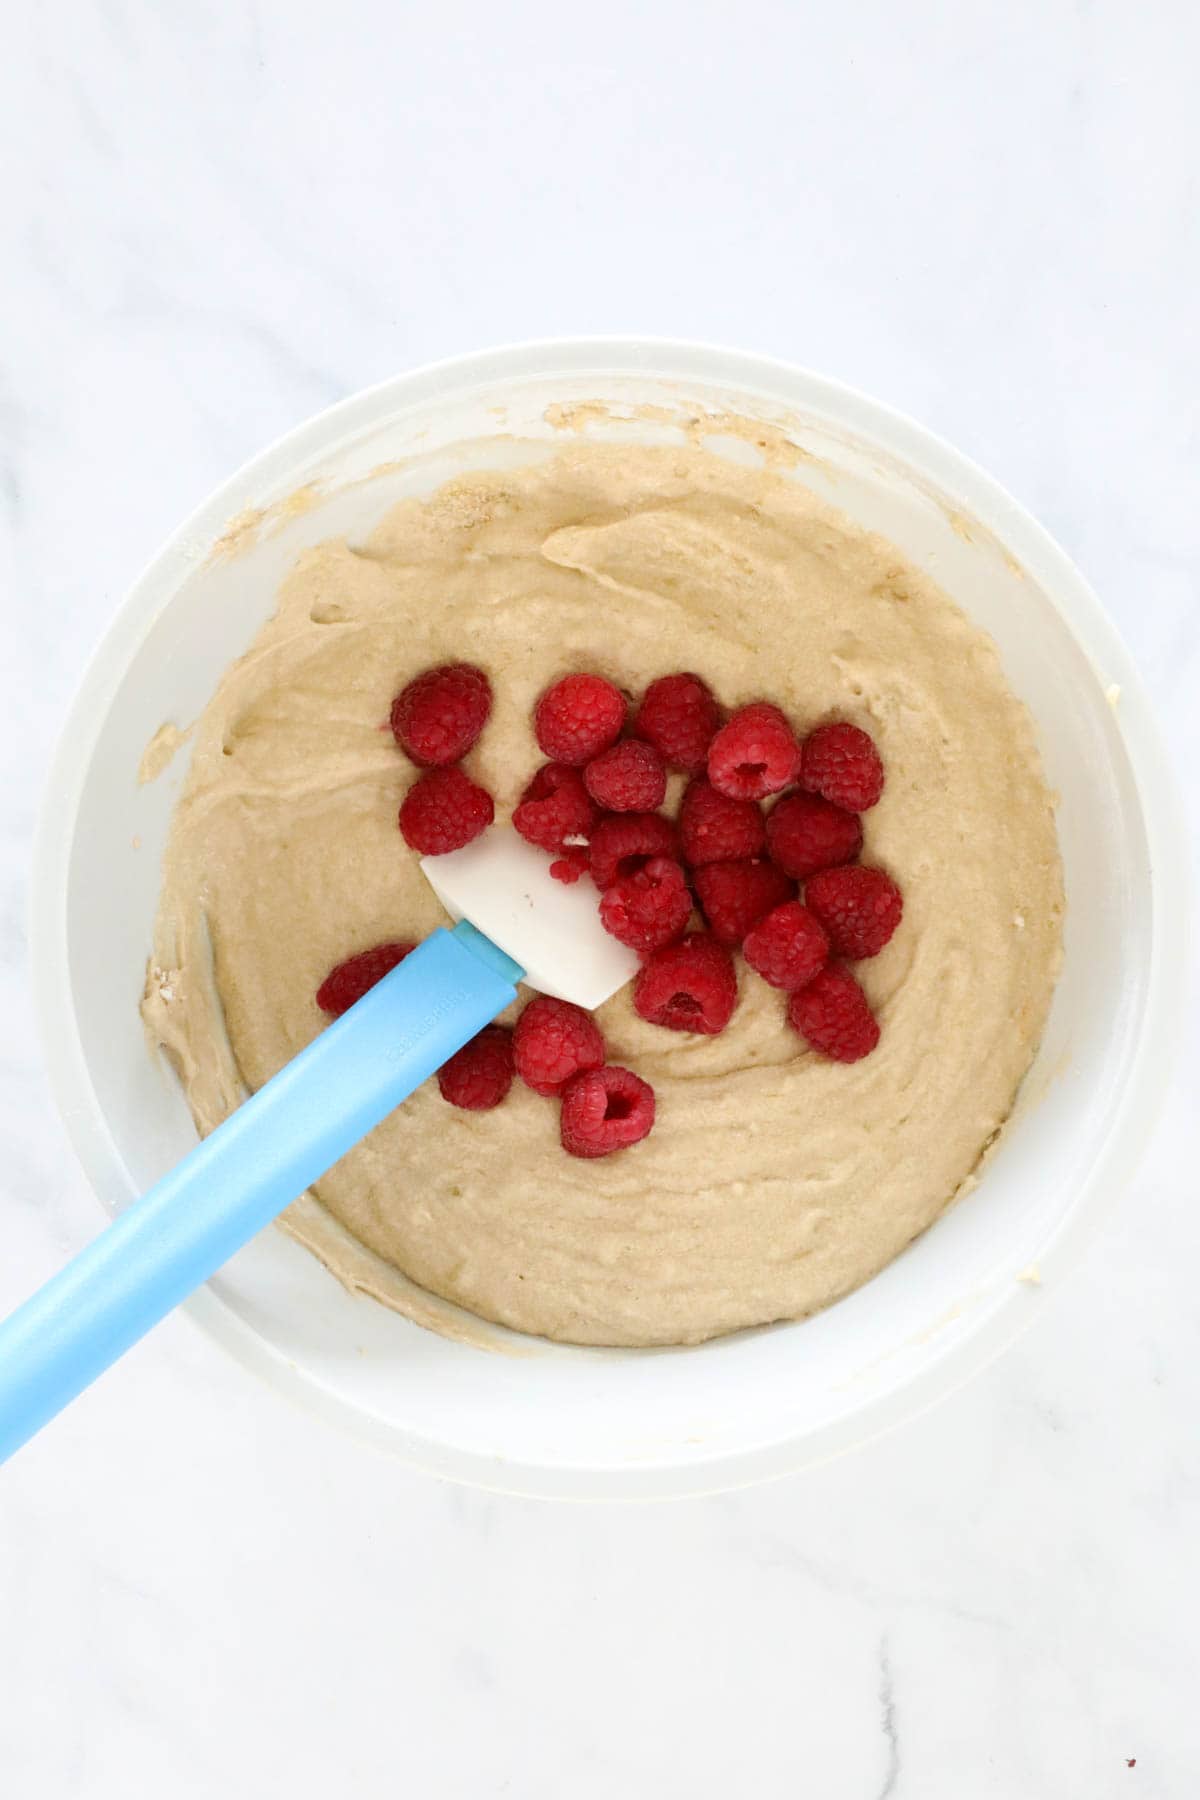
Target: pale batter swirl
(774, 1181)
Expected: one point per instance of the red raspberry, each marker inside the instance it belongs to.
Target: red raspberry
(606, 1110)
(567, 868)
(443, 811)
(754, 754)
(736, 895)
(628, 778)
(689, 986)
(478, 1076)
(859, 908)
(841, 763)
(679, 716)
(714, 828)
(832, 1014)
(554, 1040)
(649, 909)
(554, 807)
(623, 844)
(439, 715)
(578, 717)
(806, 833)
(352, 978)
(788, 947)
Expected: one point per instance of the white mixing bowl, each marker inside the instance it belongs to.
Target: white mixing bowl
(555, 1420)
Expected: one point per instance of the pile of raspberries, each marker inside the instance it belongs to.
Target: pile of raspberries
(785, 886)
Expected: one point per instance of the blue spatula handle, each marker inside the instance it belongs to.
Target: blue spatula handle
(241, 1176)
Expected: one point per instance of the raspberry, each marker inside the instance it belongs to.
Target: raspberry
(578, 717)
(554, 807)
(714, 828)
(679, 716)
(628, 778)
(624, 843)
(832, 1014)
(841, 763)
(788, 947)
(859, 908)
(352, 978)
(443, 811)
(736, 895)
(573, 863)
(605, 1110)
(649, 909)
(478, 1076)
(439, 715)
(553, 1041)
(806, 833)
(689, 986)
(754, 754)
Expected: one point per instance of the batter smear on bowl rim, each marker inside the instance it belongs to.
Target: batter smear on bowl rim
(767, 1177)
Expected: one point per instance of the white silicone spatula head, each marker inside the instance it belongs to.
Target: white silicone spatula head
(504, 887)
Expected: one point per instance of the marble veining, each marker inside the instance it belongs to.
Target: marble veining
(221, 219)
(887, 1721)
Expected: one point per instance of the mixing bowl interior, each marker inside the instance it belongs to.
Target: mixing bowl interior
(547, 1418)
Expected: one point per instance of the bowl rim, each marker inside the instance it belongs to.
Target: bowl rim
(786, 384)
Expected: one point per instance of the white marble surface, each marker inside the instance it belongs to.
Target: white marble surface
(219, 219)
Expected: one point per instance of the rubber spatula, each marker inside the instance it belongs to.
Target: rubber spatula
(515, 924)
